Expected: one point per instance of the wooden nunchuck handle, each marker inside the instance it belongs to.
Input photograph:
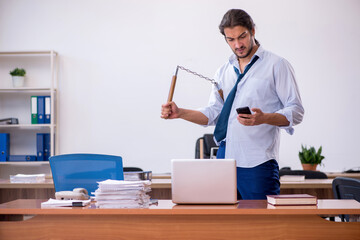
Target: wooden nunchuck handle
(221, 94)
(172, 88)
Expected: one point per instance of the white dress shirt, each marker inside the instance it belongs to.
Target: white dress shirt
(269, 85)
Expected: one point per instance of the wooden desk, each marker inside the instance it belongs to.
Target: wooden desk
(333, 175)
(322, 188)
(161, 189)
(246, 220)
(330, 175)
(11, 191)
(161, 176)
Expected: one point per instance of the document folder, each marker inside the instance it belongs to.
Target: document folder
(46, 146)
(40, 146)
(4, 146)
(34, 114)
(43, 146)
(41, 109)
(47, 109)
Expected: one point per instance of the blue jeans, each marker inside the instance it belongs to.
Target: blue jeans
(255, 182)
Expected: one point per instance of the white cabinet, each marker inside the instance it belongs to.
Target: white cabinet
(41, 80)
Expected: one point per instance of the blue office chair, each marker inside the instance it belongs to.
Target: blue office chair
(71, 171)
(346, 188)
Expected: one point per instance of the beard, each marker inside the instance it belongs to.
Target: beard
(246, 54)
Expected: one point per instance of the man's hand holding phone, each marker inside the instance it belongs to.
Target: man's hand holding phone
(242, 111)
(246, 118)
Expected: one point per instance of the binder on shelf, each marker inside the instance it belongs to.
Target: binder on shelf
(41, 109)
(43, 146)
(46, 146)
(4, 146)
(47, 109)
(21, 158)
(40, 146)
(34, 114)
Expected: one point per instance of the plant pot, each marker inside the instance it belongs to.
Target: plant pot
(308, 166)
(18, 81)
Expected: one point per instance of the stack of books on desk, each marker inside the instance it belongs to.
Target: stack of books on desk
(123, 194)
(292, 199)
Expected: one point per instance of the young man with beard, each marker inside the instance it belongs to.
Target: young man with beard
(266, 83)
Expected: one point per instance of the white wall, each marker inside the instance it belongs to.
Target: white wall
(117, 59)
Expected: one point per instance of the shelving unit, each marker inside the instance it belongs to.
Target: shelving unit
(41, 79)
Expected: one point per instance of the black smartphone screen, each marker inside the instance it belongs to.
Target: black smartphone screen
(243, 110)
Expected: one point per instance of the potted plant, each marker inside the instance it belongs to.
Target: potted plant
(18, 77)
(310, 158)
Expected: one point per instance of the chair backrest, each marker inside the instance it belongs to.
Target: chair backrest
(346, 188)
(307, 173)
(132, 169)
(208, 140)
(71, 171)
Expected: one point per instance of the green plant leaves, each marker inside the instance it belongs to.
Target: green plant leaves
(310, 155)
(18, 72)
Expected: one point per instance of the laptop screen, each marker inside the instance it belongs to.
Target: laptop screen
(203, 181)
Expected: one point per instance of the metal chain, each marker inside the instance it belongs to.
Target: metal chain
(199, 75)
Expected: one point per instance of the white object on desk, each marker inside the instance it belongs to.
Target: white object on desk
(123, 194)
(292, 178)
(27, 178)
(64, 203)
(76, 194)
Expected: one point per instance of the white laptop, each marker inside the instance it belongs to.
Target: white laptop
(203, 181)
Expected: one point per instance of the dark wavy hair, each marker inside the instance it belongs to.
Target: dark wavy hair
(237, 17)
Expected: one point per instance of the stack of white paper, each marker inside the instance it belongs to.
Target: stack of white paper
(27, 178)
(123, 194)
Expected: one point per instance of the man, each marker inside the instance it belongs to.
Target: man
(266, 83)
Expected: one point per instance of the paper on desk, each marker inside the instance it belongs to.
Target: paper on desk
(27, 178)
(122, 205)
(111, 185)
(292, 178)
(122, 194)
(62, 203)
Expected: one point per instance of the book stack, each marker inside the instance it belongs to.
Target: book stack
(292, 178)
(292, 199)
(122, 194)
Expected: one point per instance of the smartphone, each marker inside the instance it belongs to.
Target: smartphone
(243, 110)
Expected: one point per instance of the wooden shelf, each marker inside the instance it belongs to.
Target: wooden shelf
(26, 90)
(25, 53)
(42, 67)
(26, 163)
(29, 126)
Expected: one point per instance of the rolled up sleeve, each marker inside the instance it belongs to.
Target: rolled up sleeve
(288, 92)
(212, 111)
(215, 105)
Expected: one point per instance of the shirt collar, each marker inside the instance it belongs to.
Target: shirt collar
(234, 61)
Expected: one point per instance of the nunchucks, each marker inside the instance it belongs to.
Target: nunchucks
(172, 86)
(173, 82)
